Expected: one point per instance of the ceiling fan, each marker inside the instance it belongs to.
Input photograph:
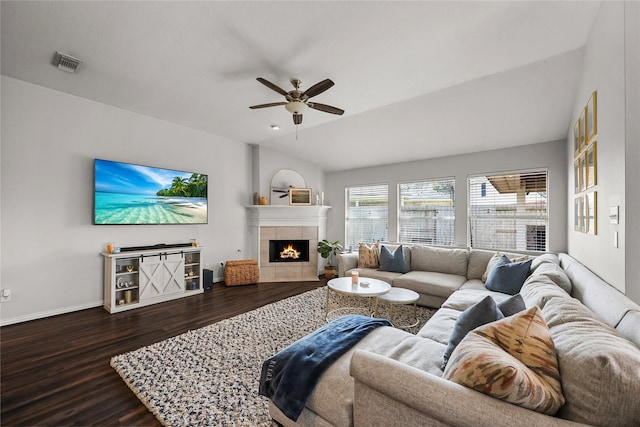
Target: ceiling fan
(297, 101)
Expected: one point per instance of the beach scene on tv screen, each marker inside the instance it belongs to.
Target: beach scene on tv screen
(132, 194)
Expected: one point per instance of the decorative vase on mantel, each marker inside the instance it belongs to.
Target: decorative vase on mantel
(263, 200)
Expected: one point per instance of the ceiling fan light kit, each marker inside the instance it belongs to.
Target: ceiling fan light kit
(296, 107)
(298, 101)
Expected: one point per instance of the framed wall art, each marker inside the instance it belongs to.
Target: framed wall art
(591, 127)
(592, 170)
(591, 212)
(583, 171)
(300, 196)
(576, 138)
(578, 220)
(582, 126)
(577, 179)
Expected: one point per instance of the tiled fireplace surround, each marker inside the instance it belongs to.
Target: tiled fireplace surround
(283, 223)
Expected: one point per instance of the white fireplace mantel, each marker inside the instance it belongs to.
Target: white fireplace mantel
(282, 215)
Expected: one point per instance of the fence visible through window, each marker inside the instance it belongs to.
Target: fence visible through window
(366, 216)
(509, 211)
(426, 212)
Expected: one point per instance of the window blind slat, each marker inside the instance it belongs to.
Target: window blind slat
(366, 216)
(509, 211)
(427, 212)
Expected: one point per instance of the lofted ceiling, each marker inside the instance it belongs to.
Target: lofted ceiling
(417, 79)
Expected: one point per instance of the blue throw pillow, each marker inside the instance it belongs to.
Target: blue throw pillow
(393, 261)
(513, 305)
(508, 277)
(481, 313)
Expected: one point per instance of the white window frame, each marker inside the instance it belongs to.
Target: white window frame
(381, 216)
(438, 218)
(525, 217)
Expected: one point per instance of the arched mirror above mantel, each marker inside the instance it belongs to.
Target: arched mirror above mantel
(281, 182)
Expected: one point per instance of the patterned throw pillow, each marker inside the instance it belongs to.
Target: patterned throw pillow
(512, 359)
(483, 312)
(368, 256)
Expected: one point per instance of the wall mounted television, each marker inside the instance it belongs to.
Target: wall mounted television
(126, 193)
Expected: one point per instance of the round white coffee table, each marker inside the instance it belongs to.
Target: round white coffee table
(400, 296)
(366, 288)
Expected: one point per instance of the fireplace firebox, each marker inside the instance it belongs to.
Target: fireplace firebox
(288, 251)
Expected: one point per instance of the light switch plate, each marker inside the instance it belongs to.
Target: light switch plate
(614, 215)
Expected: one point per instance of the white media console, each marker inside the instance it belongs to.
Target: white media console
(138, 278)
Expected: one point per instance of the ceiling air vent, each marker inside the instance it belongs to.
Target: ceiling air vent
(66, 62)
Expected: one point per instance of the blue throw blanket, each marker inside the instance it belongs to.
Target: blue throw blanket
(288, 378)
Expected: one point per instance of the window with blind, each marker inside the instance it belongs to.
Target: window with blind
(366, 216)
(509, 211)
(426, 212)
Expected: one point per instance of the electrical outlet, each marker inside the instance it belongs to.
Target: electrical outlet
(6, 295)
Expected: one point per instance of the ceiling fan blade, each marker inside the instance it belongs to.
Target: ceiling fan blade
(271, 86)
(297, 119)
(273, 104)
(317, 88)
(325, 108)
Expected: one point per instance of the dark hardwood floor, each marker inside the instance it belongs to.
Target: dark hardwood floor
(56, 372)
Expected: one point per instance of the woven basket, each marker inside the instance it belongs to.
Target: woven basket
(241, 272)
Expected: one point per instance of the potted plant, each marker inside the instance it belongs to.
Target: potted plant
(328, 249)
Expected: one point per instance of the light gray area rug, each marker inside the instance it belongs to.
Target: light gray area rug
(210, 376)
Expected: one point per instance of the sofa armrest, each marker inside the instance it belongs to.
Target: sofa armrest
(388, 392)
(347, 261)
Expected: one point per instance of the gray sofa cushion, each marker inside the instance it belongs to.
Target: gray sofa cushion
(438, 328)
(628, 326)
(478, 260)
(544, 258)
(440, 260)
(555, 273)
(539, 289)
(465, 298)
(428, 282)
(600, 370)
(603, 299)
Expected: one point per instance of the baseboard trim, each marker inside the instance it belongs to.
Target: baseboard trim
(49, 313)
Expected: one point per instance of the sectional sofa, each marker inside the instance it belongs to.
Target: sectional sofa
(392, 377)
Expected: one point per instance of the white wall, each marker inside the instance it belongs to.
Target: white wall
(632, 144)
(549, 155)
(50, 249)
(604, 70)
(268, 161)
